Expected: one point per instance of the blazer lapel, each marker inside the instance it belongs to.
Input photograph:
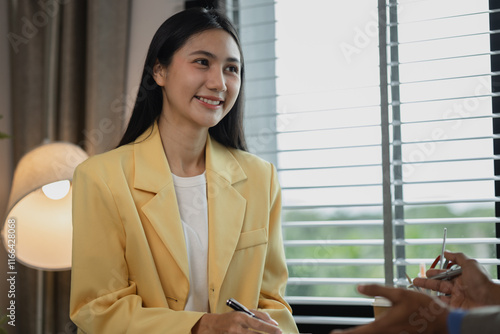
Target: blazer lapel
(226, 212)
(152, 174)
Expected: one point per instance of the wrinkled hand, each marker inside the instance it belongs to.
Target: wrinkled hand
(236, 323)
(411, 312)
(473, 288)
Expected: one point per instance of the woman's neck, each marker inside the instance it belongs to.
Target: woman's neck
(184, 148)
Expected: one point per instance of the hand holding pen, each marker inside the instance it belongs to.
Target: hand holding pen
(472, 288)
(262, 316)
(236, 323)
(235, 305)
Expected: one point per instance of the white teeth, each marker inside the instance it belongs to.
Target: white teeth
(212, 102)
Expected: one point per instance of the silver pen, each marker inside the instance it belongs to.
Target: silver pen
(442, 262)
(448, 275)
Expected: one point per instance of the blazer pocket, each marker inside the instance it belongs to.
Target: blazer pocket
(252, 238)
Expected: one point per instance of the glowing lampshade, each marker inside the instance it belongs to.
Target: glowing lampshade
(40, 206)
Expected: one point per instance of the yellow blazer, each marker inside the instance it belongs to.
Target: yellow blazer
(130, 265)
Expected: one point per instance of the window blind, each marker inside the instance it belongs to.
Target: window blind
(440, 104)
(329, 154)
(314, 107)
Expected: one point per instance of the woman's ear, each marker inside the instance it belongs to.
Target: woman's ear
(159, 73)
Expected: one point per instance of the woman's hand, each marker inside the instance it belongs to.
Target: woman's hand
(473, 288)
(236, 323)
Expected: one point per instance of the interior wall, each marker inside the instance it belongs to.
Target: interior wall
(5, 149)
(146, 18)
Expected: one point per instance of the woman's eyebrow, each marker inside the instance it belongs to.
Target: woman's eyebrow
(212, 56)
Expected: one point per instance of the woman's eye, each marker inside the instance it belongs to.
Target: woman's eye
(233, 69)
(203, 62)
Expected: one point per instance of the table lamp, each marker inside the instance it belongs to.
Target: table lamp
(39, 206)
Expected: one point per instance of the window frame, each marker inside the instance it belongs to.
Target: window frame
(494, 7)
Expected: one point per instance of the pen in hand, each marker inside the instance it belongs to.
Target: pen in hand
(442, 261)
(232, 303)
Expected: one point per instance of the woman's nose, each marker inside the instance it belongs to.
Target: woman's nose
(216, 80)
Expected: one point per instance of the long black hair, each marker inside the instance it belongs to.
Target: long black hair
(169, 38)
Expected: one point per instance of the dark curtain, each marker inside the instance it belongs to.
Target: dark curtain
(90, 81)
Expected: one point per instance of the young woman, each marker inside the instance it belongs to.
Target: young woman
(179, 218)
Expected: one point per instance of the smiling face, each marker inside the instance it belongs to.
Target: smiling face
(202, 82)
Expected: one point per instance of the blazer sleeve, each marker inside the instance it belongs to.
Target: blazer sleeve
(275, 272)
(103, 297)
(484, 320)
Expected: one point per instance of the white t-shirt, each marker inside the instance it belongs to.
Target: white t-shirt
(192, 200)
